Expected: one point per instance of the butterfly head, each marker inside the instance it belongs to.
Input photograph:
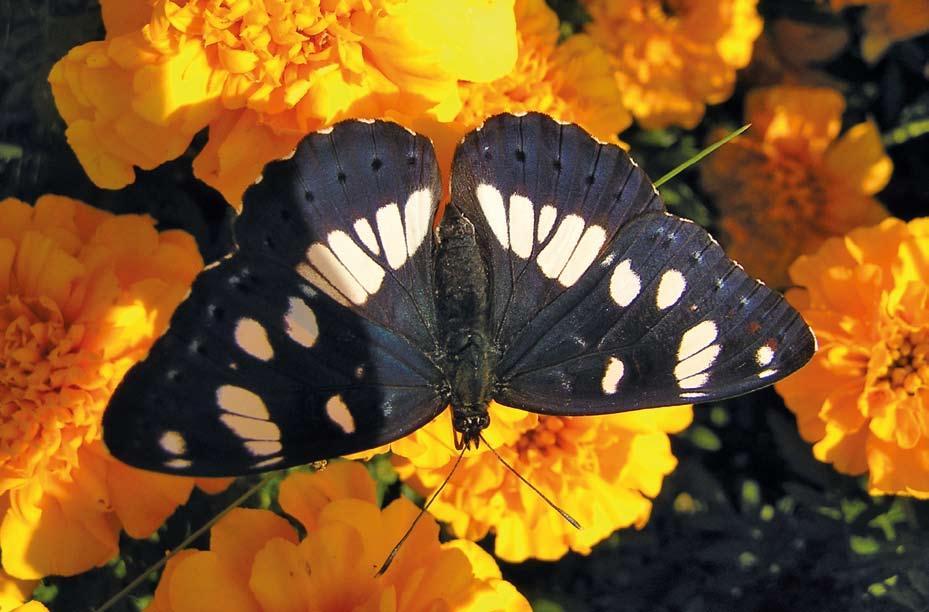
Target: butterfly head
(468, 424)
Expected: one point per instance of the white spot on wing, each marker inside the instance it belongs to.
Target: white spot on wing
(330, 268)
(178, 464)
(697, 380)
(522, 219)
(418, 216)
(251, 429)
(614, 372)
(339, 414)
(366, 234)
(586, 252)
(767, 373)
(546, 222)
(241, 401)
(696, 339)
(624, 284)
(670, 288)
(252, 337)
(315, 278)
(172, 442)
(268, 462)
(764, 355)
(365, 270)
(698, 362)
(390, 229)
(300, 323)
(555, 255)
(492, 206)
(262, 448)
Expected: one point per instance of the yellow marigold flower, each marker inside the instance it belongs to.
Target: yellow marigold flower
(791, 182)
(262, 73)
(864, 398)
(570, 81)
(602, 470)
(257, 562)
(886, 22)
(83, 293)
(672, 57)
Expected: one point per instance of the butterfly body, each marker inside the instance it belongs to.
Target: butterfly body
(462, 303)
(555, 282)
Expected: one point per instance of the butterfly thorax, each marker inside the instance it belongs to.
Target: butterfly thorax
(462, 302)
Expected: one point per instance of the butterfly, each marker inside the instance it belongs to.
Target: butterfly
(555, 281)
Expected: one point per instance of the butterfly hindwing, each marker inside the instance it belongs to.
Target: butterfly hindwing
(312, 339)
(663, 318)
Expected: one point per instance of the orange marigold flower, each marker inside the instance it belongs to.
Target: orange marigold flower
(864, 398)
(673, 57)
(791, 182)
(83, 293)
(602, 470)
(262, 73)
(257, 562)
(886, 22)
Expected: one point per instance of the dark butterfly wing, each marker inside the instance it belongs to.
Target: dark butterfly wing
(602, 301)
(310, 341)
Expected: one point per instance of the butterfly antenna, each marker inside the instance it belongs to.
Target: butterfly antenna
(563, 514)
(115, 599)
(423, 510)
(696, 158)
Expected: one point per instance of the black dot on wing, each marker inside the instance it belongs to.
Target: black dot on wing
(590, 179)
(217, 313)
(520, 155)
(307, 195)
(411, 160)
(376, 164)
(341, 176)
(488, 154)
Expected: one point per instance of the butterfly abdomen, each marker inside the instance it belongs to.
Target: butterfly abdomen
(463, 305)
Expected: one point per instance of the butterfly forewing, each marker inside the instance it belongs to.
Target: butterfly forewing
(313, 339)
(536, 189)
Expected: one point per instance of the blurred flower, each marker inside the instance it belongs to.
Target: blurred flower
(791, 182)
(601, 470)
(672, 57)
(886, 22)
(257, 562)
(262, 73)
(570, 81)
(864, 398)
(83, 293)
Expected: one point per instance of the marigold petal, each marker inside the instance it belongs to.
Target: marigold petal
(859, 154)
(201, 582)
(242, 533)
(55, 542)
(238, 149)
(7, 253)
(303, 496)
(143, 500)
(13, 592)
(280, 577)
(161, 602)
